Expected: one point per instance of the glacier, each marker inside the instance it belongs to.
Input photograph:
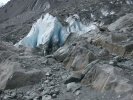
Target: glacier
(48, 28)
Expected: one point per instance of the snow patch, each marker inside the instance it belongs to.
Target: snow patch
(48, 28)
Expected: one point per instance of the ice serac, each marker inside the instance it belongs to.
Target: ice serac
(45, 28)
(75, 26)
(48, 28)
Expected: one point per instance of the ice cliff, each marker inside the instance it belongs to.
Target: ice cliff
(49, 28)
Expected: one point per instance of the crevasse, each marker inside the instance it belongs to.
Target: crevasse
(49, 28)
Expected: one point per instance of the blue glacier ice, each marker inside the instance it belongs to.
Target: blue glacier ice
(49, 28)
(75, 26)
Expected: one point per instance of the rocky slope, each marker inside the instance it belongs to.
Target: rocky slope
(95, 65)
(18, 16)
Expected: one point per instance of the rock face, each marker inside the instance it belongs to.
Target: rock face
(13, 76)
(122, 23)
(7, 71)
(119, 39)
(77, 56)
(118, 48)
(7, 50)
(106, 77)
(79, 59)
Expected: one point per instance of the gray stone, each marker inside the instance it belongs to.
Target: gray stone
(46, 91)
(51, 61)
(33, 95)
(46, 81)
(52, 83)
(118, 37)
(119, 58)
(48, 74)
(6, 97)
(114, 63)
(80, 57)
(36, 98)
(77, 76)
(54, 95)
(73, 87)
(74, 77)
(13, 95)
(15, 76)
(56, 91)
(105, 77)
(47, 97)
(62, 53)
(104, 53)
(122, 22)
(77, 92)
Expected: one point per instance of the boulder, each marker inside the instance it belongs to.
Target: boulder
(7, 51)
(114, 48)
(76, 55)
(74, 77)
(77, 76)
(13, 76)
(73, 87)
(47, 97)
(118, 37)
(80, 57)
(104, 77)
(115, 43)
(103, 53)
(122, 22)
(62, 53)
(121, 49)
